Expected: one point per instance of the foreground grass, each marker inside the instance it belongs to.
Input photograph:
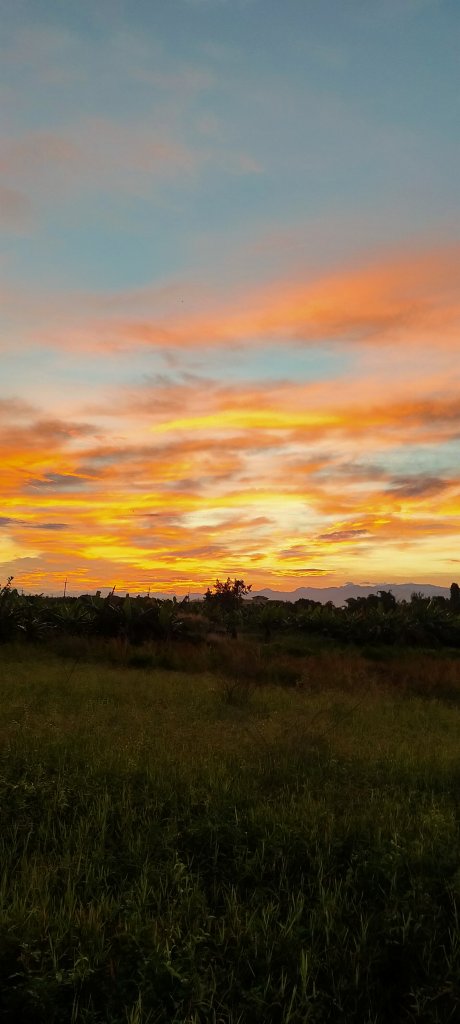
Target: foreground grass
(170, 856)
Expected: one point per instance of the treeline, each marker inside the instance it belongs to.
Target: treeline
(228, 609)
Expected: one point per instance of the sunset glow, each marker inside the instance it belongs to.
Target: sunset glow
(231, 294)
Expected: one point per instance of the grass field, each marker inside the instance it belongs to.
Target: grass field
(178, 847)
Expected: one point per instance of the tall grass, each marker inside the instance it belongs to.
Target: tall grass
(168, 855)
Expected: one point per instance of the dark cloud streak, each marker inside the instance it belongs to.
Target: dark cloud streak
(6, 521)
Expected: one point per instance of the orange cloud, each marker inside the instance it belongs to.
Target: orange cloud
(188, 479)
(407, 299)
(407, 296)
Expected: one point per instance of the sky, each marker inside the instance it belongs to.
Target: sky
(230, 293)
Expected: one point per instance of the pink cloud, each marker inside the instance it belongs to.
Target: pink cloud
(16, 211)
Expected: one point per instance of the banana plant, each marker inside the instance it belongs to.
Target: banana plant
(73, 618)
(11, 609)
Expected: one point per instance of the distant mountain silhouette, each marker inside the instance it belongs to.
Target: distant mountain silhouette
(338, 595)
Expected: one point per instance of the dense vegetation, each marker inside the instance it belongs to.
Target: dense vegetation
(203, 829)
(377, 619)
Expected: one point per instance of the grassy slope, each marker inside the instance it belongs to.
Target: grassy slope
(169, 857)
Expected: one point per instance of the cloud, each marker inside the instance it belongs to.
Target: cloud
(15, 409)
(35, 432)
(405, 299)
(56, 481)
(16, 211)
(6, 521)
(36, 153)
(103, 155)
(178, 477)
(96, 153)
(304, 571)
(339, 536)
(418, 486)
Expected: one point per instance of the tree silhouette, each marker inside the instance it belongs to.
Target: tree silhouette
(227, 600)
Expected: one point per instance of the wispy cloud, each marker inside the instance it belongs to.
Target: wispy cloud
(418, 486)
(8, 521)
(16, 210)
(409, 300)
